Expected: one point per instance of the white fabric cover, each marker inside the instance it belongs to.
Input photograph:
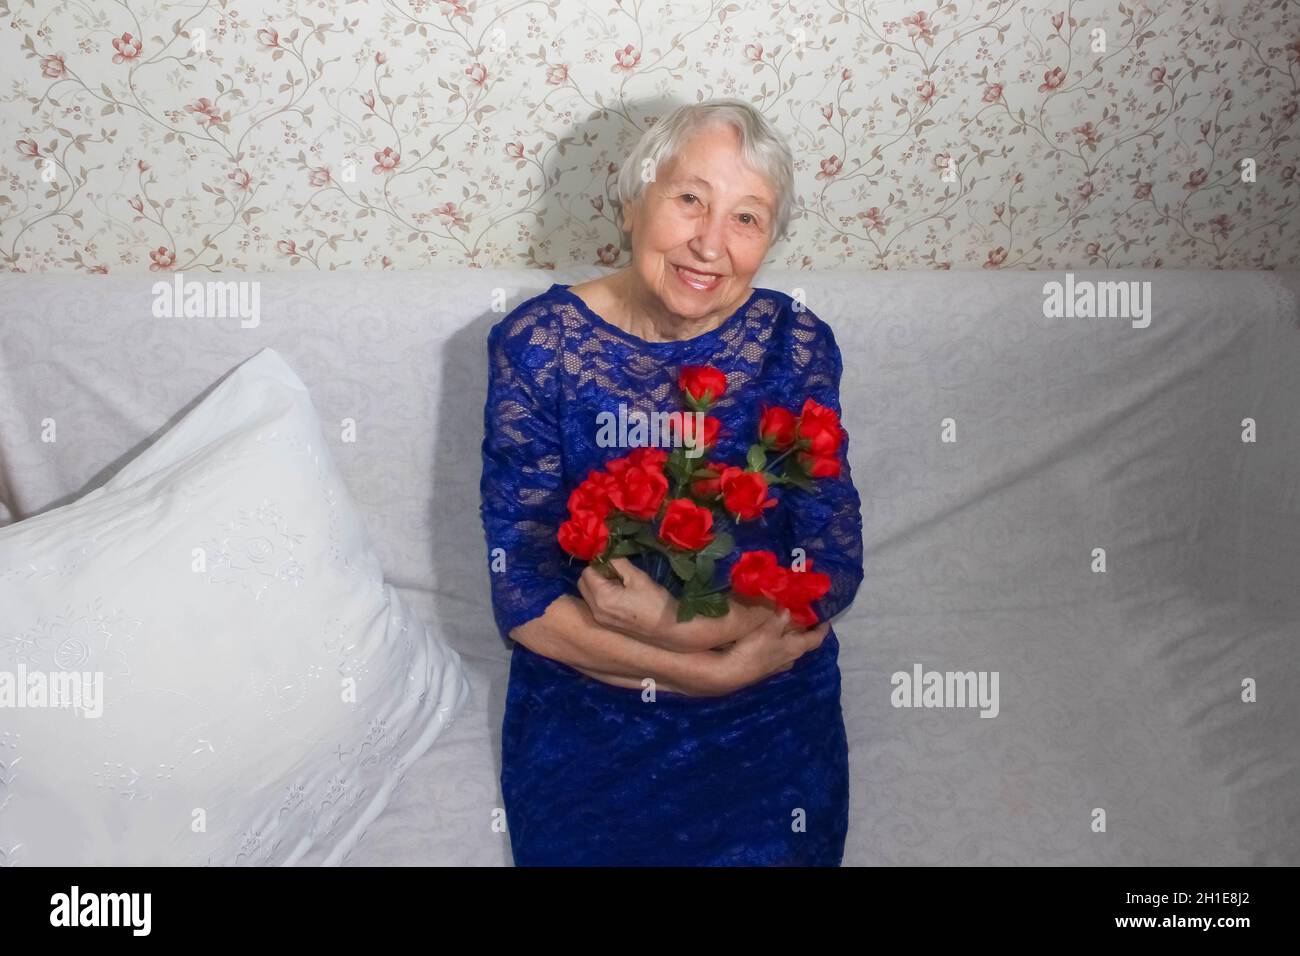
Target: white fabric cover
(1118, 690)
(266, 690)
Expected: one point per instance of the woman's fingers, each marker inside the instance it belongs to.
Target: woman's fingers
(591, 585)
(627, 570)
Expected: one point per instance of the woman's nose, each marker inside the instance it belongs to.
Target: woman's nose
(708, 241)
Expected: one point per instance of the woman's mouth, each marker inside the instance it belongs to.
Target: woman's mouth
(699, 281)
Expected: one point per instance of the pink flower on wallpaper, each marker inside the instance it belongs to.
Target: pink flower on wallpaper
(942, 160)
(1084, 190)
(141, 165)
(925, 91)
(1142, 191)
(477, 72)
(1293, 49)
(240, 178)
(386, 262)
(319, 176)
(873, 219)
(1220, 225)
(996, 258)
(831, 167)
(846, 75)
(287, 247)
(1288, 173)
(380, 59)
(754, 51)
(136, 203)
(1196, 179)
(205, 108)
(515, 150)
(1057, 20)
(268, 38)
(607, 254)
(386, 160)
(28, 147)
(999, 209)
(1086, 135)
(1052, 79)
(1157, 76)
(626, 58)
(992, 92)
(163, 258)
(127, 47)
(449, 211)
(1289, 111)
(827, 112)
(918, 25)
(556, 75)
(368, 98)
(98, 270)
(52, 66)
(1092, 248)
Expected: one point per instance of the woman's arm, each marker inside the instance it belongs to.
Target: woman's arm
(567, 632)
(827, 522)
(642, 608)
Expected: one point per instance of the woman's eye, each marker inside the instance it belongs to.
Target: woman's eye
(688, 196)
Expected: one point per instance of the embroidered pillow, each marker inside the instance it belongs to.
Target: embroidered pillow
(200, 661)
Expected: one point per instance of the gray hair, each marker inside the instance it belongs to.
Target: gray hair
(763, 150)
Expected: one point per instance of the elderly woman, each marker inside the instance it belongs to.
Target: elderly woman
(736, 753)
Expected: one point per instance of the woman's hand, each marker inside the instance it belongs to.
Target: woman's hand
(769, 649)
(643, 608)
(640, 606)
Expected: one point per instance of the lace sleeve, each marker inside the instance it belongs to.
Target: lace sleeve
(523, 499)
(828, 523)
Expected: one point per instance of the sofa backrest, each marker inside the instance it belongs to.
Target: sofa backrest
(1071, 433)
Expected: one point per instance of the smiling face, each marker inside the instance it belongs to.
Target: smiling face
(705, 211)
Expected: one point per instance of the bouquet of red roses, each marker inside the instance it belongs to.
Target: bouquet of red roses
(672, 504)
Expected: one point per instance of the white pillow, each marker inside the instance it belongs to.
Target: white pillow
(227, 734)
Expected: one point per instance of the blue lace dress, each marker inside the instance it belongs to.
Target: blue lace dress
(590, 773)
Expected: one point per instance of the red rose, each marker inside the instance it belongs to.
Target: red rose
(584, 536)
(806, 586)
(686, 525)
(704, 383)
(821, 427)
(639, 492)
(648, 457)
(709, 488)
(801, 589)
(777, 427)
(744, 493)
(803, 615)
(593, 494)
(820, 466)
(756, 574)
(712, 427)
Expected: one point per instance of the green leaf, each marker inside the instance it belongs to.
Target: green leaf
(757, 458)
(647, 538)
(625, 525)
(704, 568)
(719, 547)
(625, 548)
(683, 565)
(711, 605)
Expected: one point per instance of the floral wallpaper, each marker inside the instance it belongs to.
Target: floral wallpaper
(232, 135)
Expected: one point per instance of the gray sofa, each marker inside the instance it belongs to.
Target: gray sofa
(1118, 690)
